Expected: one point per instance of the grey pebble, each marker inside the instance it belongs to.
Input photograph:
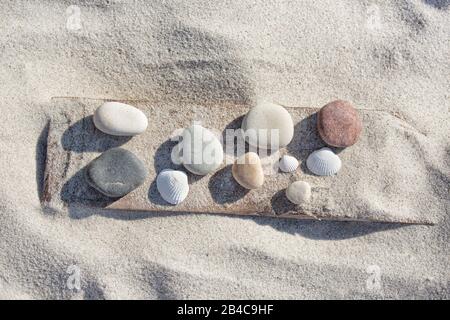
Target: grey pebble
(116, 173)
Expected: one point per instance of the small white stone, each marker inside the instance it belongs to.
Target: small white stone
(299, 192)
(120, 119)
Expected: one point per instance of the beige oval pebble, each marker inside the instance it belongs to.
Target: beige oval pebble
(248, 171)
(268, 126)
(299, 192)
(120, 119)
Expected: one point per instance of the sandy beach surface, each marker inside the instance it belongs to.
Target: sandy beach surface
(381, 55)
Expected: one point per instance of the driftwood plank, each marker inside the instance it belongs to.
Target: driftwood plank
(73, 142)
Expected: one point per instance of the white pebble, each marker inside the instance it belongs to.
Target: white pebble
(120, 119)
(299, 192)
(268, 126)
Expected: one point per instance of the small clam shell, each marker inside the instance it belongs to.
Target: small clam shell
(323, 162)
(299, 192)
(288, 163)
(173, 186)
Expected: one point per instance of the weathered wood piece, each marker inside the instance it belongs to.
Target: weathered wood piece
(73, 142)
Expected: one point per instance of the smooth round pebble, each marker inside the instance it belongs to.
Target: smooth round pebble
(248, 172)
(338, 124)
(299, 192)
(116, 172)
(259, 122)
(120, 119)
(202, 152)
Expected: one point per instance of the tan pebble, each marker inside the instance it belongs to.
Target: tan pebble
(299, 192)
(248, 172)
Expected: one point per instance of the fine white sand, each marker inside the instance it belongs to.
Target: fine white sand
(384, 55)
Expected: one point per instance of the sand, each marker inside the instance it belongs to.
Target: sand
(383, 55)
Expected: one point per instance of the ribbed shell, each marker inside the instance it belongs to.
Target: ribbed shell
(288, 163)
(323, 162)
(173, 186)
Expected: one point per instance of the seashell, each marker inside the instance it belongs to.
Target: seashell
(172, 186)
(338, 124)
(288, 163)
(248, 172)
(200, 151)
(268, 126)
(323, 162)
(120, 119)
(299, 192)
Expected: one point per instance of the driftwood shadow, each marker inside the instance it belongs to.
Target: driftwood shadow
(81, 212)
(41, 159)
(83, 136)
(327, 230)
(438, 4)
(223, 187)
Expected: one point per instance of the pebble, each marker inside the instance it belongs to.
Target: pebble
(202, 152)
(120, 119)
(339, 124)
(116, 173)
(261, 120)
(248, 172)
(299, 192)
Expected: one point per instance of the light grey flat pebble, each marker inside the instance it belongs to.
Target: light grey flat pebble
(116, 172)
(202, 152)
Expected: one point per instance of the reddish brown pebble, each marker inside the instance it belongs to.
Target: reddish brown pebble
(339, 124)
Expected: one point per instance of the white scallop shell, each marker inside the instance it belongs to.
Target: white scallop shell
(172, 186)
(323, 162)
(288, 163)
